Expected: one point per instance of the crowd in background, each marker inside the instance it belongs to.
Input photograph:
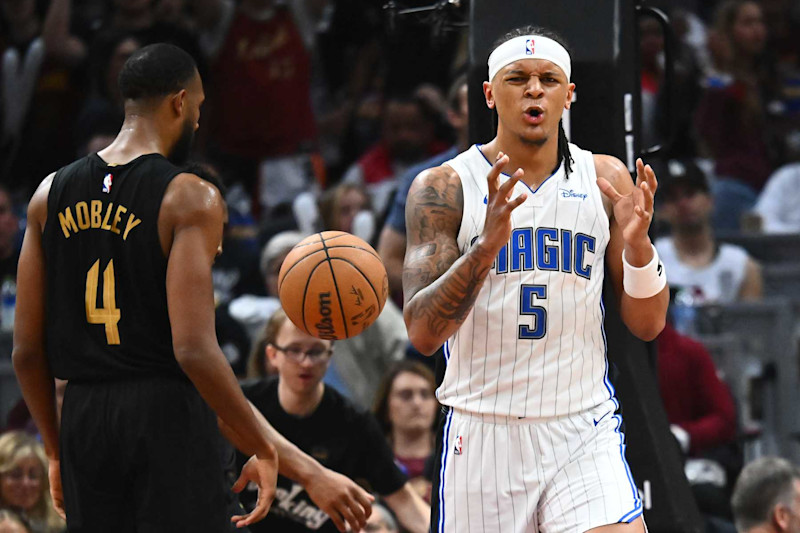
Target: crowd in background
(317, 118)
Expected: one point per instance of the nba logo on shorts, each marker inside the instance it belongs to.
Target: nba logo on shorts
(529, 47)
(457, 449)
(107, 183)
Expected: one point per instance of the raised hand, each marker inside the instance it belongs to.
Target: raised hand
(264, 473)
(497, 229)
(341, 499)
(633, 211)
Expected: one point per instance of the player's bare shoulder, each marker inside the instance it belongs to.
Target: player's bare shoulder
(435, 204)
(615, 171)
(37, 206)
(189, 201)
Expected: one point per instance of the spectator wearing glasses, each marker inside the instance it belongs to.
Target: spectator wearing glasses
(324, 424)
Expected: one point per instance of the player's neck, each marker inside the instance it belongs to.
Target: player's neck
(138, 136)
(301, 405)
(538, 162)
(412, 445)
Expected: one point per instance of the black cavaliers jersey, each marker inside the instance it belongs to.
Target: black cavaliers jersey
(106, 272)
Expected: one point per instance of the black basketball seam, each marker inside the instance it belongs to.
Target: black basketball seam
(370, 252)
(341, 234)
(335, 286)
(371, 286)
(280, 281)
(305, 292)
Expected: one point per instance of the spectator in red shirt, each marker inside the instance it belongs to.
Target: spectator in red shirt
(702, 417)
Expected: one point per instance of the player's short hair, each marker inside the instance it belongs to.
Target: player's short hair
(762, 485)
(156, 71)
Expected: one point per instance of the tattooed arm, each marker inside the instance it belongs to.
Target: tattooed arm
(440, 285)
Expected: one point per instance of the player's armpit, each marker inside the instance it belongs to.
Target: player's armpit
(440, 285)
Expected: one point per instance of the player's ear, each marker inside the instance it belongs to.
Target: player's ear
(488, 94)
(570, 95)
(179, 102)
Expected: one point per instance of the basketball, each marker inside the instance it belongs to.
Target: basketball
(333, 285)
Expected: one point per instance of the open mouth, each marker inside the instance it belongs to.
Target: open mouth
(534, 112)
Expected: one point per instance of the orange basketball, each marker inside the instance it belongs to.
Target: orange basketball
(333, 285)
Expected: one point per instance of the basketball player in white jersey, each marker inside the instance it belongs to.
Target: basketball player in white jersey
(507, 272)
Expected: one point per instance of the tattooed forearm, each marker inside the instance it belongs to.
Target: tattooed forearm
(440, 285)
(444, 305)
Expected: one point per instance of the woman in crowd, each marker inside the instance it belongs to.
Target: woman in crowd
(24, 485)
(405, 407)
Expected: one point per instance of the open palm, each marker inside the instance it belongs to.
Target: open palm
(633, 211)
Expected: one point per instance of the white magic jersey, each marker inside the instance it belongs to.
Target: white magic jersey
(533, 344)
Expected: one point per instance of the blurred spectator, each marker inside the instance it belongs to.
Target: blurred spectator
(24, 484)
(407, 137)
(392, 243)
(694, 260)
(777, 203)
(101, 117)
(12, 523)
(702, 417)
(766, 498)
(406, 407)
(39, 96)
(9, 230)
(340, 205)
(732, 116)
(658, 122)
(322, 423)
(253, 310)
(263, 130)
(381, 520)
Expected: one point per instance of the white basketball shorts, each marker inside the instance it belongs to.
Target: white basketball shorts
(509, 475)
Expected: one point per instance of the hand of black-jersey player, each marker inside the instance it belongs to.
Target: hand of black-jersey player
(341, 499)
(264, 473)
(54, 475)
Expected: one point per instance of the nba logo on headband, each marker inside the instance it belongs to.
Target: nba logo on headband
(529, 47)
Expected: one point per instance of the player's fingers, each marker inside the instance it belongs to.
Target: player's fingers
(507, 188)
(648, 197)
(358, 512)
(650, 178)
(493, 177)
(365, 499)
(609, 190)
(518, 201)
(337, 521)
(240, 484)
(351, 519)
(639, 171)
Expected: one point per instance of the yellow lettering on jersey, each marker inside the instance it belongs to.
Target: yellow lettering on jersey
(96, 210)
(105, 225)
(82, 213)
(117, 217)
(67, 222)
(132, 223)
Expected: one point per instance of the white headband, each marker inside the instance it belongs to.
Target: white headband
(529, 47)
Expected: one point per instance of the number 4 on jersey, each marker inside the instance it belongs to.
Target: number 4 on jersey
(108, 314)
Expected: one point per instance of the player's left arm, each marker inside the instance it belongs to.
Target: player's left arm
(411, 510)
(29, 356)
(644, 312)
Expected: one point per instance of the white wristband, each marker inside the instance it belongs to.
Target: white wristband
(646, 281)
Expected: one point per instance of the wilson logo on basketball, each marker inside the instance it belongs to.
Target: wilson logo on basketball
(325, 327)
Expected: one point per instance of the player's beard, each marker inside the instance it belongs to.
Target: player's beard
(180, 152)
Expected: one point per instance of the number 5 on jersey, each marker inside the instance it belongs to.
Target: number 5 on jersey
(528, 295)
(108, 314)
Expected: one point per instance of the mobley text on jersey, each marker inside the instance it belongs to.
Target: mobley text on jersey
(96, 215)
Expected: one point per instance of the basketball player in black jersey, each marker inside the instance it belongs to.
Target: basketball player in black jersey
(115, 296)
